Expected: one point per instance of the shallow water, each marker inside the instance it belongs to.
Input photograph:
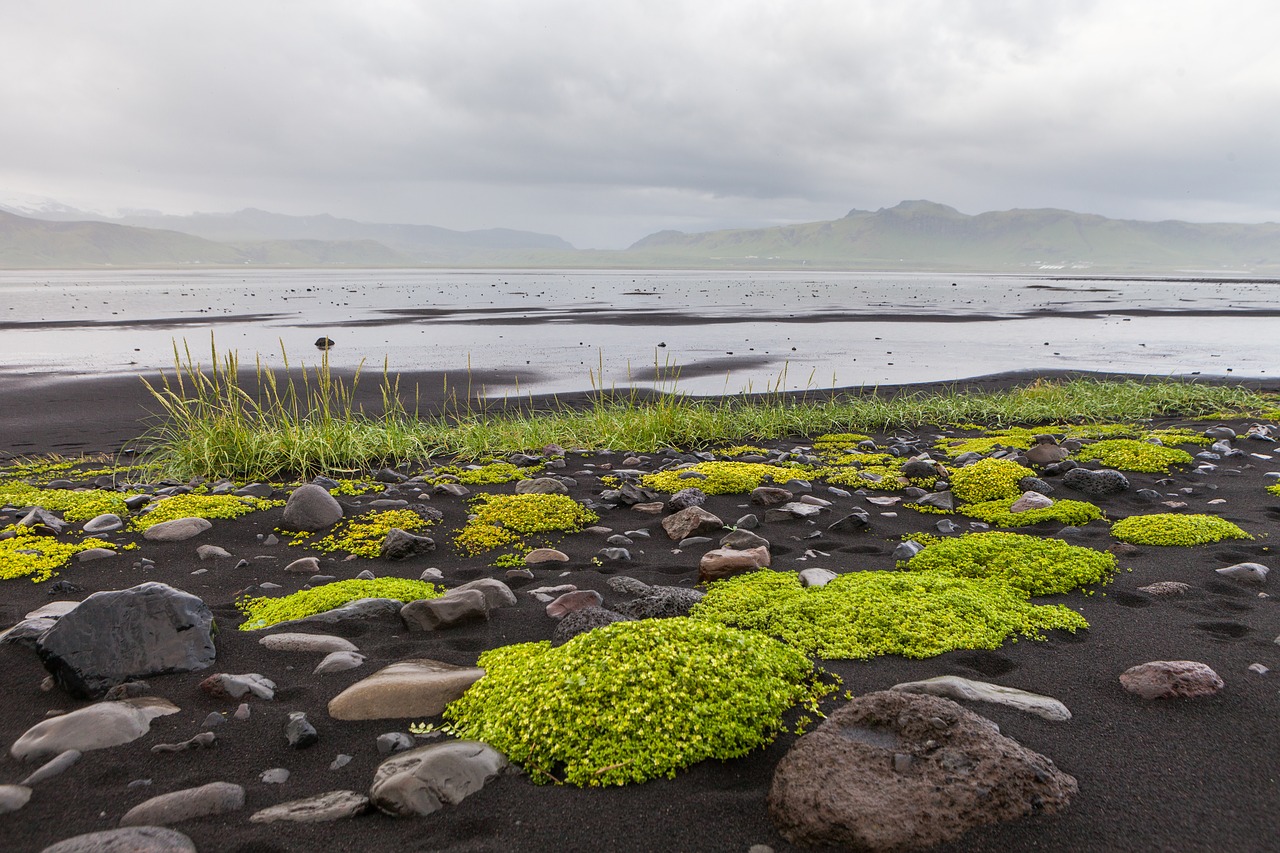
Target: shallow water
(704, 331)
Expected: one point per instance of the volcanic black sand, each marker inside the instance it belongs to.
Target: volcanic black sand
(1173, 775)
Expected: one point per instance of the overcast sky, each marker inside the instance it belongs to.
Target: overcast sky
(605, 121)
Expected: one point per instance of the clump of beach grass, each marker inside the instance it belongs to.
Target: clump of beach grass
(308, 421)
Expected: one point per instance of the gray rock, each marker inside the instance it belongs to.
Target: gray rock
(688, 522)
(957, 688)
(741, 540)
(582, 621)
(55, 766)
(946, 525)
(894, 771)
(214, 798)
(310, 508)
(816, 577)
(578, 599)
(338, 662)
(225, 685)
(13, 797)
(1171, 679)
(290, 642)
(938, 500)
(105, 523)
(855, 522)
(496, 593)
(304, 566)
(299, 731)
(541, 486)
(116, 636)
(28, 632)
(427, 779)
(274, 776)
(255, 490)
(358, 610)
(434, 614)
(322, 808)
(1031, 500)
(1254, 573)
(212, 552)
(1035, 484)
(401, 545)
(92, 554)
(1096, 484)
(625, 585)
(906, 549)
(132, 839)
(617, 555)
(685, 498)
(41, 517)
(204, 740)
(394, 742)
(177, 530)
(1166, 588)
(409, 689)
(661, 602)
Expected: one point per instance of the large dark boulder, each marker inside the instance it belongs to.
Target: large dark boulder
(122, 635)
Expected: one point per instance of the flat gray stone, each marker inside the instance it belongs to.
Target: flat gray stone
(212, 552)
(214, 798)
(294, 642)
(496, 593)
(322, 808)
(177, 530)
(955, 687)
(409, 689)
(105, 523)
(132, 839)
(338, 662)
(310, 508)
(88, 556)
(13, 797)
(817, 577)
(434, 614)
(304, 566)
(96, 726)
(425, 780)
(1254, 573)
(360, 609)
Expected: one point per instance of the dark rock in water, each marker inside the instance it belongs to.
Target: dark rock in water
(1096, 484)
(896, 771)
(401, 544)
(324, 343)
(311, 508)
(116, 636)
(582, 621)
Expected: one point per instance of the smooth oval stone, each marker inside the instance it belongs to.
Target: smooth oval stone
(105, 523)
(408, 689)
(13, 797)
(310, 508)
(338, 662)
(177, 530)
(1247, 572)
(130, 839)
(1170, 679)
(545, 555)
(957, 688)
(92, 554)
(496, 593)
(214, 798)
(294, 642)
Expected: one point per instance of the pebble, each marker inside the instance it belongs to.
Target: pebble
(299, 731)
(1253, 667)
(393, 742)
(322, 808)
(294, 642)
(1169, 679)
(212, 552)
(340, 761)
(214, 798)
(274, 776)
(204, 740)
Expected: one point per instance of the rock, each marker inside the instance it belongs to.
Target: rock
(1029, 501)
(625, 585)
(741, 540)
(224, 685)
(299, 731)
(212, 552)
(661, 602)
(401, 545)
(434, 614)
(854, 522)
(724, 562)
(393, 742)
(817, 577)
(691, 521)
(310, 508)
(1166, 588)
(39, 517)
(905, 550)
(360, 609)
(324, 343)
(650, 508)
(105, 523)
(177, 530)
(617, 555)
(569, 602)
(496, 593)
(132, 839)
(1170, 679)
(116, 636)
(204, 740)
(792, 510)
(92, 554)
(255, 490)
(582, 621)
(1221, 431)
(456, 490)
(770, 496)
(1046, 453)
(214, 798)
(945, 501)
(13, 797)
(274, 776)
(538, 556)
(1260, 669)
(28, 632)
(955, 687)
(946, 525)
(409, 689)
(322, 808)
(894, 771)
(1096, 484)
(1254, 573)
(686, 498)
(338, 662)
(425, 780)
(541, 486)
(304, 566)
(748, 522)
(288, 642)
(55, 766)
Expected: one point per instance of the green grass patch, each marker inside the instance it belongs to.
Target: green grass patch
(1127, 454)
(1032, 564)
(633, 701)
(265, 611)
(997, 513)
(1165, 528)
(864, 614)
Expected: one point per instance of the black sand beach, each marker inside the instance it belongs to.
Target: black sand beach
(1171, 775)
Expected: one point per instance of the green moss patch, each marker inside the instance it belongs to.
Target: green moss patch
(998, 513)
(1275, 490)
(724, 478)
(201, 506)
(74, 505)
(486, 475)
(863, 614)
(1034, 565)
(265, 611)
(877, 471)
(362, 535)
(1166, 528)
(39, 557)
(503, 519)
(633, 701)
(1126, 454)
(987, 480)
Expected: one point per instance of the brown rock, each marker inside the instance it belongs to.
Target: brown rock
(1046, 453)
(724, 562)
(570, 602)
(895, 771)
(545, 555)
(767, 496)
(1171, 679)
(410, 689)
(689, 522)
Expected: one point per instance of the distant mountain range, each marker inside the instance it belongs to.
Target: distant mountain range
(918, 235)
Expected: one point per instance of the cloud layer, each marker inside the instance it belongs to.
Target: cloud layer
(603, 122)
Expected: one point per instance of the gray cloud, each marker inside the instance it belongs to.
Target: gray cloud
(605, 121)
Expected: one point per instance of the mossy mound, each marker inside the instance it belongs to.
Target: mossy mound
(1034, 565)
(1166, 528)
(633, 701)
(201, 506)
(724, 478)
(363, 534)
(863, 614)
(998, 513)
(879, 471)
(1126, 454)
(74, 505)
(987, 480)
(266, 611)
(502, 519)
(492, 474)
(27, 554)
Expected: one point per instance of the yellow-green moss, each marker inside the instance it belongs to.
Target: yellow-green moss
(265, 611)
(47, 554)
(1032, 564)
(1275, 490)
(486, 475)
(74, 505)
(741, 450)
(1167, 528)
(201, 506)
(362, 535)
(1126, 454)
(1063, 511)
(987, 480)
(502, 519)
(875, 471)
(863, 614)
(633, 701)
(353, 488)
(724, 478)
